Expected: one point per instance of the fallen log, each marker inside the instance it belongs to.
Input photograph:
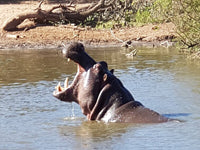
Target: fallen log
(65, 13)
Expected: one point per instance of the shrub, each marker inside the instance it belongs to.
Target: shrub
(185, 14)
(187, 20)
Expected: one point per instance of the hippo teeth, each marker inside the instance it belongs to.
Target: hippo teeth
(66, 83)
(59, 88)
(68, 59)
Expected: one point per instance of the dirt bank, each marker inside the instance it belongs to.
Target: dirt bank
(54, 36)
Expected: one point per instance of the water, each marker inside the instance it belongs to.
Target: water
(32, 119)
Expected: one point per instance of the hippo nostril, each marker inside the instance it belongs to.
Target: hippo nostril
(94, 67)
(64, 51)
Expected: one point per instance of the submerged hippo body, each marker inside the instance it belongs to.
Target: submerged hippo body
(100, 94)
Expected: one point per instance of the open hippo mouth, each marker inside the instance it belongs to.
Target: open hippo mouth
(76, 53)
(60, 89)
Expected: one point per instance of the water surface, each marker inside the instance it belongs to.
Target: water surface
(32, 119)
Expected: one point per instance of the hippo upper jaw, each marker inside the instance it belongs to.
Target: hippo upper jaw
(76, 52)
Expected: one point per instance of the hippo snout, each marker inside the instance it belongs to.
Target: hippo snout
(76, 52)
(73, 51)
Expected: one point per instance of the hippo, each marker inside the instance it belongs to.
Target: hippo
(100, 94)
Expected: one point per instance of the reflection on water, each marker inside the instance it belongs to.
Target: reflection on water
(98, 131)
(89, 132)
(30, 66)
(31, 118)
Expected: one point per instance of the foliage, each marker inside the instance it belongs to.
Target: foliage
(143, 16)
(131, 12)
(162, 10)
(183, 13)
(187, 20)
(156, 12)
(119, 13)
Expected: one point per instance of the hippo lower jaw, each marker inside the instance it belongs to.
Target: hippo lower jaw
(60, 89)
(66, 93)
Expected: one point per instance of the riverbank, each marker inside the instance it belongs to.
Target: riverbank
(55, 36)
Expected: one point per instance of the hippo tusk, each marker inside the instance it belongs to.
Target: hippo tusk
(66, 83)
(59, 88)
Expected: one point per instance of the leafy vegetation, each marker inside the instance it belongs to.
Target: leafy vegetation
(183, 13)
(187, 20)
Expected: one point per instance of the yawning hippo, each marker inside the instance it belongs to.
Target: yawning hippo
(100, 94)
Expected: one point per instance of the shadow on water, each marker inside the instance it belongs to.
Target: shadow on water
(177, 115)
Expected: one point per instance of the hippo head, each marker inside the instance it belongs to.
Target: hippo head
(89, 79)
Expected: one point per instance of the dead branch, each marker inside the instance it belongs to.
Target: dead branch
(40, 4)
(40, 16)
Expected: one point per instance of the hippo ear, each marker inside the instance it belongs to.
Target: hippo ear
(112, 71)
(105, 76)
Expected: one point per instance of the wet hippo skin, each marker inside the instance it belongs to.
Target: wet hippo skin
(100, 94)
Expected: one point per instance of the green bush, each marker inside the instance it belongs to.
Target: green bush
(187, 20)
(185, 14)
(143, 16)
(156, 12)
(161, 11)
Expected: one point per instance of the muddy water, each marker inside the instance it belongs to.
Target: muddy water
(32, 119)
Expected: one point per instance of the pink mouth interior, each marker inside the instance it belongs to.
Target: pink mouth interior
(60, 89)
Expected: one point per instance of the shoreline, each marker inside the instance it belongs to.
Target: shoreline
(55, 36)
(33, 46)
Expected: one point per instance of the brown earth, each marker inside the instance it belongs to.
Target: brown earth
(54, 36)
